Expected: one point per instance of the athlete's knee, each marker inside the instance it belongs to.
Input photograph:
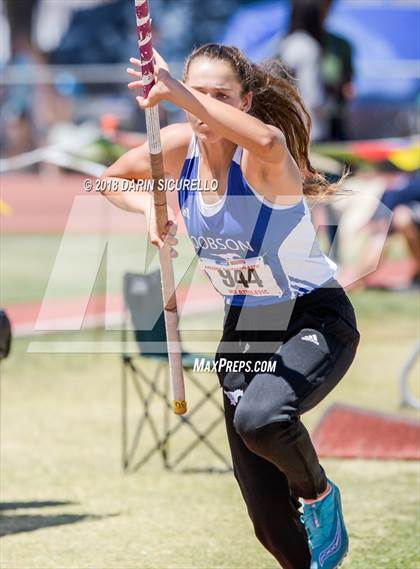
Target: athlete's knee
(246, 420)
(254, 414)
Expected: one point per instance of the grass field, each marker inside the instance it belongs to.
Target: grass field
(76, 263)
(66, 503)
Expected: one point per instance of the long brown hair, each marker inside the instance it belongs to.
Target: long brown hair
(276, 102)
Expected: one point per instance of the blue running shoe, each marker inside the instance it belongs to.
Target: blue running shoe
(327, 535)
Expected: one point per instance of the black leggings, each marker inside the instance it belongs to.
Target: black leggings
(312, 345)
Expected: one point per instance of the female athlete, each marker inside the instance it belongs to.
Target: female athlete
(248, 129)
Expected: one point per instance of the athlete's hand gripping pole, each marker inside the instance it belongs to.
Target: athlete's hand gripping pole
(144, 32)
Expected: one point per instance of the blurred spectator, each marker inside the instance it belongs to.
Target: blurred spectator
(402, 200)
(322, 64)
(17, 100)
(20, 14)
(301, 52)
(337, 74)
(103, 33)
(188, 23)
(27, 113)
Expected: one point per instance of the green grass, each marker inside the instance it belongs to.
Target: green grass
(63, 267)
(61, 442)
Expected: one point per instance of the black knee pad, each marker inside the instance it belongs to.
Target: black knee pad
(268, 399)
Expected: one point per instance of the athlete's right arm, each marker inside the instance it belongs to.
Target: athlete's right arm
(135, 165)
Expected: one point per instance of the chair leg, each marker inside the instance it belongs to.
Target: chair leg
(146, 417)
(159, 386)
(124, 393)
(124, 418)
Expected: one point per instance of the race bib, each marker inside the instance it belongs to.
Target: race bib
(250, 277)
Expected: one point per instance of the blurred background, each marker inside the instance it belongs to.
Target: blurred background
(72, 55)
(66, 114)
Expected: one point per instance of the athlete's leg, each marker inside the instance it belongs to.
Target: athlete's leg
(310, 364)
(272, 451)
(267, 417)
(272, 509)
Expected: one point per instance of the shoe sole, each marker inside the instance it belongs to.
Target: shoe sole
(341, 562)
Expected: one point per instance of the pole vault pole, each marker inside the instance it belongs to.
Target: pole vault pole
(144, 32)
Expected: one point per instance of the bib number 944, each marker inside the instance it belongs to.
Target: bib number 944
(251, 277)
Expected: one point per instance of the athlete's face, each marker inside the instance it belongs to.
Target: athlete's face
(215, 78)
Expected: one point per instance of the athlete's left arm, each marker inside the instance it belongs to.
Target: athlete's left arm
(231, 123)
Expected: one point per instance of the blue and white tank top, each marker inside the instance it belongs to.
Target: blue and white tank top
(253, 251)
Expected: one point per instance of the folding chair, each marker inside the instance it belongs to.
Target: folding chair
(143, 303)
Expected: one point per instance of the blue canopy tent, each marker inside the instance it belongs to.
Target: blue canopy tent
(384, 34)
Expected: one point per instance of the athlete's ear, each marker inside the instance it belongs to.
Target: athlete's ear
(246, 102)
